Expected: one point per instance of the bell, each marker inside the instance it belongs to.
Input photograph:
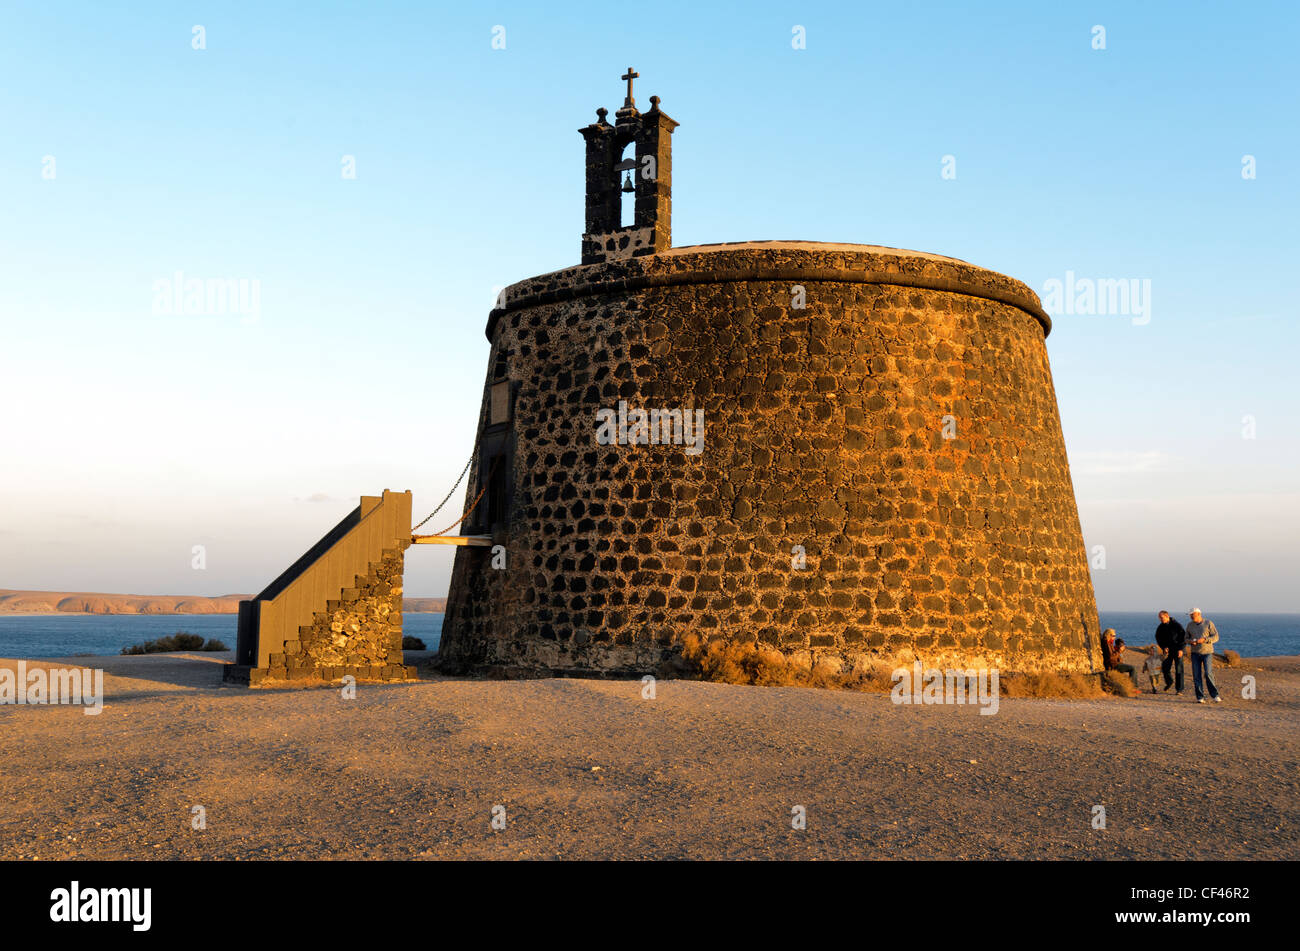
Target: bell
(627, 183)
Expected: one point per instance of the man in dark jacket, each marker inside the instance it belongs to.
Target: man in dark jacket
(1172, 641)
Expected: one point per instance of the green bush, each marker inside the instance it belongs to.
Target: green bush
(180, 641)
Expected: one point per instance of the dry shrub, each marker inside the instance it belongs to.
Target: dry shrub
(180, 641)
(1050, 684)
(1231, 658)
(1120, 684)
(740, 663)
(745, 662)
(878, 678)
(1066, 685)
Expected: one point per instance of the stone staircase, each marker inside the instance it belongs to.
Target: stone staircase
(337, 610)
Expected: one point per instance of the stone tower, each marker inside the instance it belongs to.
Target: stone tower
(878, 473)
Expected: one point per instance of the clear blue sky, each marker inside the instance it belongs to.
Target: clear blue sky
(129, 436)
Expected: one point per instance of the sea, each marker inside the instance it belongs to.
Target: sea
(66, 635)
(1250, 635)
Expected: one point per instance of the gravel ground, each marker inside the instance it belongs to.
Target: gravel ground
(589, 769)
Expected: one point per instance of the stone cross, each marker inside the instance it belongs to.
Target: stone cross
(629, 76)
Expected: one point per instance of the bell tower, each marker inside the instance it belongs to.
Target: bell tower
(645, 171)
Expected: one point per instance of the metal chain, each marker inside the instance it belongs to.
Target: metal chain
(473, 505)
(453, 490)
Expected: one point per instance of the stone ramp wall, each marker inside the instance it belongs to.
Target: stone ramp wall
(359, 634)
(343, 631)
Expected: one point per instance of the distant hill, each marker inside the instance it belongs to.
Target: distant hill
(83, 602)
(424, 605)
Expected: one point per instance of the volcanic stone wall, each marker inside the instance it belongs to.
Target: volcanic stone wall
(360, 634)
(883, 475)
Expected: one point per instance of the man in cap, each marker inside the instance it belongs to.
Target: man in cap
(1201, 636)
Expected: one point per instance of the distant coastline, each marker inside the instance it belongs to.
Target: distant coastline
(17, 603)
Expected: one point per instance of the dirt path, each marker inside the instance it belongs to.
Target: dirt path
(589, 769)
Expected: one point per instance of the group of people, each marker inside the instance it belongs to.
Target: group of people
(1173, 640)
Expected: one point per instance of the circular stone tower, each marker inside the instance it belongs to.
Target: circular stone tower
(848, 453)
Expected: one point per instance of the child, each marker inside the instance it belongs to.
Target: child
(1153, 664)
